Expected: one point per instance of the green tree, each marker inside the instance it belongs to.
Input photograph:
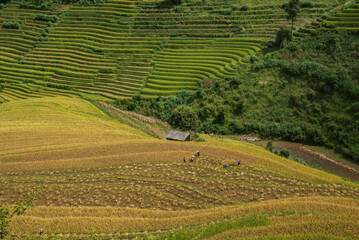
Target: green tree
(284, 153)
(7, 211)
(292, 10)
(253, 59)
(183, 118)
(283, 37)
(270, 146)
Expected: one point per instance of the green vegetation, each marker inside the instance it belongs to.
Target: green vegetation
(7, 212)
(45, 17)
(292, 10)
(183, 118)
(11, 25)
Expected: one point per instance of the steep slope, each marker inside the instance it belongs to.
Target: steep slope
(122, 48)
(75, 155)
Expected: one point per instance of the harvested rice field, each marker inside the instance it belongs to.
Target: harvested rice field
(98, 178)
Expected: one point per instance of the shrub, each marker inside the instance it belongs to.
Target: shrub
(284, 153)
(283, 37)
(11, 25)
(269, 146)
(32, 5)
(244, 7)
(183, 118)
(306, 4)
(298, 160)
(46, 18)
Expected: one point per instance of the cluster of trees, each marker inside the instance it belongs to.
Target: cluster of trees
(11, 25)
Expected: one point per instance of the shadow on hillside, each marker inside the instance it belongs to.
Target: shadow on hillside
(165, 4)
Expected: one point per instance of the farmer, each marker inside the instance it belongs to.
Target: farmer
(184, 159)
(197, 153)
(225, 166)
(239, 162)
(192, 158)
(41, 231)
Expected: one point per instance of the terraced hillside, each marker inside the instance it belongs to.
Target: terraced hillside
(97, 177)
(121, 48)
(184, 64)
(347, 19)
(18, 81)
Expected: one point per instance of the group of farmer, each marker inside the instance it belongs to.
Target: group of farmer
(197, 153)
(192, 158)
(226, 165)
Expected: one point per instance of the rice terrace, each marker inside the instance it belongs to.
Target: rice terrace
(88, 89)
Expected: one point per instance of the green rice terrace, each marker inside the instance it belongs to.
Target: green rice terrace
(121, 48)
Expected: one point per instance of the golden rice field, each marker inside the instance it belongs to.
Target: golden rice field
(98, 178)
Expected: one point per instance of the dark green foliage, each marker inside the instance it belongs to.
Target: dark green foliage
(34, 4)
(244, 7)
(176, 2)
(253, 59)
(46, 18)
(292, 10)
(282, 38)
(270, 146)
(284, 153)
(183, 118)
(306, 4)
(11, 25)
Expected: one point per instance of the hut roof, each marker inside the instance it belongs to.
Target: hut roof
(177, 135)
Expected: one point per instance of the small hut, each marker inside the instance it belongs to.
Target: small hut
(177, 135)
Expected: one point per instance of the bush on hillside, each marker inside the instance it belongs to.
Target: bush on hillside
(283, 37)
(32, 4)
(46, 18)
(270, 146)
(284, 153)
(11, 25)
(244, 7)
(307, 4)
(183, 118)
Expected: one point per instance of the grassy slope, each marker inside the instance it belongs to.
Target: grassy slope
(114, 180)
